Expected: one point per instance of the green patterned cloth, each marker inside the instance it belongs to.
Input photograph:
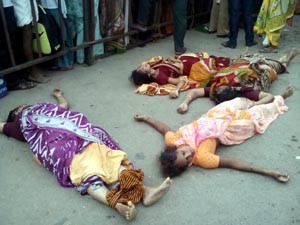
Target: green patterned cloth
(272, 18)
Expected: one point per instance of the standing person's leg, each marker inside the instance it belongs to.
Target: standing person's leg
(248, 22)
(234, 19)
(223, 26)
(64, 62)
(14, 81)
(79, 27)
(179, 8)
(214, 17)
(24, 18)
(143, 15)
(98, 49)
(35, 74)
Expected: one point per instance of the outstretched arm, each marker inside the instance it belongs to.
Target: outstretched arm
(58, 94)
(157, 125)
(1, 127)
(193, 94)
(179, 84)
(238, 164)
(264, 98)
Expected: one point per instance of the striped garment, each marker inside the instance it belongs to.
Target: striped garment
(56, 134)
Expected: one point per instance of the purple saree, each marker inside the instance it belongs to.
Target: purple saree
(56, 134)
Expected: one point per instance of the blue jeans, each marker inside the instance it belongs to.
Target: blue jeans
(234, 7)
(179, 8)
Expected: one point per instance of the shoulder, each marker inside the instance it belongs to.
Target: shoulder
(171, 137)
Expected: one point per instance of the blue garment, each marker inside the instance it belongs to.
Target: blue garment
(75, 19)
(235, 7)
(66, 61)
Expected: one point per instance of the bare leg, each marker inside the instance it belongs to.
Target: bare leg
(152, 194)
(193, 94)
(127, 211)
(34, 75)
(287, 92)
(286, 59)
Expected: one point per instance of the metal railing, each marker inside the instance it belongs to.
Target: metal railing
(203, 9)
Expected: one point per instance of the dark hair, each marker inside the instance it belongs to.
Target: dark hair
(167, 159)
(139, 77)
(226, 95)
(12, 115)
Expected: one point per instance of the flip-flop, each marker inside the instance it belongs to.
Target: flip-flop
(268, 50)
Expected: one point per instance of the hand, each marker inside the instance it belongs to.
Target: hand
(182, 108)
(139, 117)
(174, 94)
(57, 92)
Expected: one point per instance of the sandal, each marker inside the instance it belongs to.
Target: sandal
(202, 28)
(270, 49)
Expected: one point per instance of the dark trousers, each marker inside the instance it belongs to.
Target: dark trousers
(179, 8)
(12, 79)
(234, 9)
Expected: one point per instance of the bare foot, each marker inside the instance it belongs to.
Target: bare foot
(127, 211)
(152, 195)
(287, 92)
(182, 108)
(139, 117)
(286, 59)
(283, 178)
(292, 55)
(174, 94)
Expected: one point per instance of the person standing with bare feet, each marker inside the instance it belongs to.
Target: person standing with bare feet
(82, 155)
(24, 18)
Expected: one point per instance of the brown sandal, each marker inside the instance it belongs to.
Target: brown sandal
(270, 49)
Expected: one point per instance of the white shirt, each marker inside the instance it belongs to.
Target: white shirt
(53, 4)
(7, 3)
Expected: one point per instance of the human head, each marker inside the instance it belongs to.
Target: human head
(142, 75)
(175, 160)
(225, 93)
(13, 113)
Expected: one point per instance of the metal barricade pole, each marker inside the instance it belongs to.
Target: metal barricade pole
(7, 38)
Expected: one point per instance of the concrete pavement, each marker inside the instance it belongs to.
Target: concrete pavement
(30, 195)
